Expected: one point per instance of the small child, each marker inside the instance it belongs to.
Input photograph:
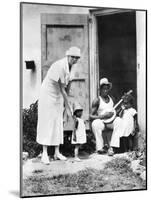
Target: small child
(128, 116)
(79, 132)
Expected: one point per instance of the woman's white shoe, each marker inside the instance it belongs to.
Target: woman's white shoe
(77, 159)
(45, 160)
(59, 157)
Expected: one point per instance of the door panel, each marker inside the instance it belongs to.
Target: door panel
(60, 32)
(60, 38)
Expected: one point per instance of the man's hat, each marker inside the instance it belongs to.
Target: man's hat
(104, 81)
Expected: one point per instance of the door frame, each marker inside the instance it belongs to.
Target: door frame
(93, 43)
(141, 60)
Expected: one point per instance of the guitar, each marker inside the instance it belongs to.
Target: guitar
(111, 119)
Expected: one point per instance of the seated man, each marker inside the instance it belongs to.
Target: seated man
(99, 113)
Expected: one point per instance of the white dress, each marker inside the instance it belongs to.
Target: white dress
(127, 122)
(50, 105)
(80, 133)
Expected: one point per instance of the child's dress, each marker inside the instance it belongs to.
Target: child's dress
(127, 122)
(80, 133)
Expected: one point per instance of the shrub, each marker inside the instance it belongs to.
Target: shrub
(29, 130)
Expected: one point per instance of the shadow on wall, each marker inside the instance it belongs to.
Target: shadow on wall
(33, 78)
(31, 67)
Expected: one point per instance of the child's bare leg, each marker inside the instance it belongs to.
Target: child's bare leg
(76, 152)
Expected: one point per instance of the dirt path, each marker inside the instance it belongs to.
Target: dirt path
(94, 161)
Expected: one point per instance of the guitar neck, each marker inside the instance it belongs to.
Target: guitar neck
(116, 105)
(120, 101)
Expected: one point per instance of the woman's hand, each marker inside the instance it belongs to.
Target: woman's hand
(69, 112)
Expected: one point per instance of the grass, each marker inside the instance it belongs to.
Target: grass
(116, 175)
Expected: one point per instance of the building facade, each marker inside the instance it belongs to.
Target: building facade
(112, 42)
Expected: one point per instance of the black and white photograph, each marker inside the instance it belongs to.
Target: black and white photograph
(83, 99)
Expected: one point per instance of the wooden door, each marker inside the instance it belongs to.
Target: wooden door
(59, 32)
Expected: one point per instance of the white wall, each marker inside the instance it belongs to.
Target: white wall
(32, 45)
(141, 70)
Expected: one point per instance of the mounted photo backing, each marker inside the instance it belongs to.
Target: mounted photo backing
(112, 43)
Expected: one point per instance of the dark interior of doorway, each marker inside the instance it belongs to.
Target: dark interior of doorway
(117, 51)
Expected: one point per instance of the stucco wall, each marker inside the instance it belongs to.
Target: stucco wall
(32, 44)
(141, 69)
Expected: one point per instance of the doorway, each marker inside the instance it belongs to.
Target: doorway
(117, 51)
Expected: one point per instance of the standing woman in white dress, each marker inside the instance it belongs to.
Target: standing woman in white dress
(51, 102)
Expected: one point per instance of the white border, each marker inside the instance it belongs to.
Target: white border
(9, 99)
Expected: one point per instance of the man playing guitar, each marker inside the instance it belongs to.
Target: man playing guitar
(103, 115)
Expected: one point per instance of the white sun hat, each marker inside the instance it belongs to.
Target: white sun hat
(104, 81)
(73, 51)
(77, 106)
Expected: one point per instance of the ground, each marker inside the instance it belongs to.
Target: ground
(95, 173)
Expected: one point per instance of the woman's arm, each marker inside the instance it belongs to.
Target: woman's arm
(64, 94)
(67, 89)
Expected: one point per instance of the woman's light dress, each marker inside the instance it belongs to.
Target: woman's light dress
(50, 105)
